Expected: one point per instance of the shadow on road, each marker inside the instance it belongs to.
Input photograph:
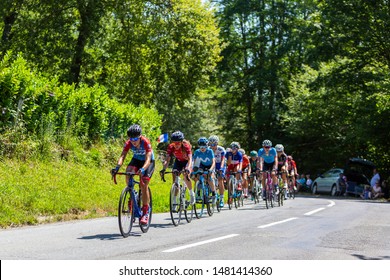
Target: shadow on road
(361, 257)
(106, 236)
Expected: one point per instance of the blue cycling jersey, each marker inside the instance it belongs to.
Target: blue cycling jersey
(268, 158)
(205, 158)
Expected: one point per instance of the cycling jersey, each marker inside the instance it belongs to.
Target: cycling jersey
(203, 159)
(236, 159)
(270, 158)
(181, 154)
(140, 153)
(245, 162)
(291, 165)
(253, 164)
(219, 156)
(282, 159)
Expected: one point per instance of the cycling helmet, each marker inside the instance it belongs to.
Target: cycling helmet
(235, 145)
(134, 131)
(177, 136)
(289, 158)
(203, 141)
(253, 154)
(267, 143)
(279, 148)
(213, 139)
(242, 151)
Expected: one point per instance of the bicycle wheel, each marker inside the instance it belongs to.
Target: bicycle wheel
(230, 194)
(199, 200)
(208, 199)
(257, 192)
(175, 204)
(271, 196)
(125, 212)
(145, 228)
(189, 209)
(266, 199)
(218, 201)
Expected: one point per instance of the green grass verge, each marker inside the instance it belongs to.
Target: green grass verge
(37, 192)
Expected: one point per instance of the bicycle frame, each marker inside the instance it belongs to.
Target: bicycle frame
(203, 185)
(134, 194)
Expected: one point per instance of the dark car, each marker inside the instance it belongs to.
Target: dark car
(358, 172)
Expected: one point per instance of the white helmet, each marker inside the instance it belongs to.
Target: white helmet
(279, 148)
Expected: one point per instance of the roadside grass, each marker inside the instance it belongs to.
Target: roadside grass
(36, 192)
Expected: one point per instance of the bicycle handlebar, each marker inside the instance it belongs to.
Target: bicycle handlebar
(123, 173)
(173, 171)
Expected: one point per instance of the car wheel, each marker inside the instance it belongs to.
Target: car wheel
(314, 189)
(333, 190)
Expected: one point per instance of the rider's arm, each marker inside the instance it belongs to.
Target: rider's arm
(212, 164)
(166, 162)
(189, 163)
(276, 163)
(148, 159)
(122, 157)
(260, 163)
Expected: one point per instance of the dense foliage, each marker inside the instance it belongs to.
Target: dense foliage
(311, 74)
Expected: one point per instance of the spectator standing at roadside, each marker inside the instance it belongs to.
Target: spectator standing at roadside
(376, 178)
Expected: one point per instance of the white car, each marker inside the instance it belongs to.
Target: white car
(327, 182)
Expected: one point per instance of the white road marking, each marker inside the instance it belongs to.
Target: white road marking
(200, 243)
(276, 223)
(314, 211)
(332, 203)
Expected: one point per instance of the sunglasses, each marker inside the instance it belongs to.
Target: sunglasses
(267, 147)
(176, 143)
(202, 147)
(213, 145)
(134, 139)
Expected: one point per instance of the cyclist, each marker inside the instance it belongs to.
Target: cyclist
(219, 153)
(204, 159)
(253, 166)
(282, 165)
(246, 171)
(292, 170)
(141, 163)
(181, 150)
(268, 161)
(234, 162)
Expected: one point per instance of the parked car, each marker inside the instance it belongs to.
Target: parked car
(327, 182)
(357, 170)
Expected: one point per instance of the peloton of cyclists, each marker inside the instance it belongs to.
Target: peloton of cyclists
(204, 159)
(220, 166)
(181, 150)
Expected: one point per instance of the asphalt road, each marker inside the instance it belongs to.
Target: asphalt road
(307, 228)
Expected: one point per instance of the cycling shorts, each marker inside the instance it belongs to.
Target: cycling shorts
(268, 166)
(137, 164)
(180, 165)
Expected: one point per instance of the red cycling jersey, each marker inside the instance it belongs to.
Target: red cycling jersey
(181, 154)
(245, 162)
